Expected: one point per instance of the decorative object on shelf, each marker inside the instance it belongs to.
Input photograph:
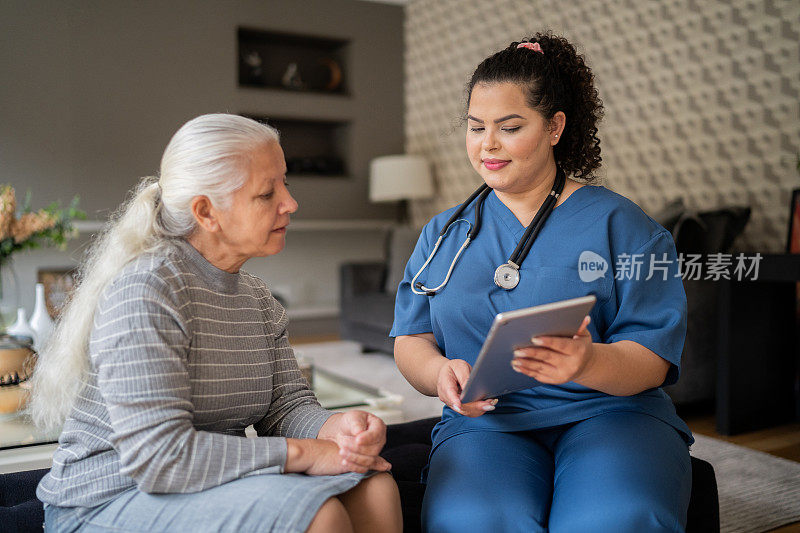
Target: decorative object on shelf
(16, 364)
(793, 242)
(291, 78)
(21, 328)
(251, 71)
(51, 226)
(41, 323)
(325, 76)
(278, 60)
(400, 177)
(58, 285)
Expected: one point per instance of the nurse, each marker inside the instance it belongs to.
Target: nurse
(598, 447)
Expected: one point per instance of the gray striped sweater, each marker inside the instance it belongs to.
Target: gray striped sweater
(184, 356)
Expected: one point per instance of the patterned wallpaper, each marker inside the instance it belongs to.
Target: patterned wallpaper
(701, 97)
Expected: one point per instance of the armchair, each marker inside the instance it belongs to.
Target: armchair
(367, 292)
(367, 309)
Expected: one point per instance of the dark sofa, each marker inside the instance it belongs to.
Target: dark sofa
(407, 448)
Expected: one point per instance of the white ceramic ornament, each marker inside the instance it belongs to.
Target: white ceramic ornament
(41, 323)
(21, 328)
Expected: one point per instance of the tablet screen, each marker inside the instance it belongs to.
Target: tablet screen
(492, 375)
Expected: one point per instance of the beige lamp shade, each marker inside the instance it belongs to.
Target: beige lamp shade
(400, 177)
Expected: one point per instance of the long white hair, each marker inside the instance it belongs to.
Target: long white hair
(209, 155)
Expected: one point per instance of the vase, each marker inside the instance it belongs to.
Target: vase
(9, 293)
(41, 323)
(21, 328)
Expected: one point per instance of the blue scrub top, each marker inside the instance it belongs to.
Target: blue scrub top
(629, 307)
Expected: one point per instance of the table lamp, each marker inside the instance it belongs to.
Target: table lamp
(400, 178)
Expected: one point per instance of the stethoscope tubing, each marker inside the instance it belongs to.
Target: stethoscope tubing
(483, 190)
(533, 230)
(521, 250)
(430, 292)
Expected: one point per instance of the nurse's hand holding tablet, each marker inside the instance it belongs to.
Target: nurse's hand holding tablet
(452, 379)
(556, 360)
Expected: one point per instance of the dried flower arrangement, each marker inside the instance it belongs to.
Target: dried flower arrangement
(51, 226)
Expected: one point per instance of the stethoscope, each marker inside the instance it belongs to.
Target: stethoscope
(506, 276)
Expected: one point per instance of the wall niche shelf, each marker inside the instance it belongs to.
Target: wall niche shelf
(292, 62)
(312, 147)
(308, 224)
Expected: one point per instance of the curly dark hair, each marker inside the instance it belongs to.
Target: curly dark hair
(556, 80)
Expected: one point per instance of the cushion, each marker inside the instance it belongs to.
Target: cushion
(669, 215)
(702, 231)
(710, 231)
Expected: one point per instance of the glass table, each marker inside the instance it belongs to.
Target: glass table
(337, 392)
(23, 447)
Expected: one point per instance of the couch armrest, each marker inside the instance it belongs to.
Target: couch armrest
(414, 432)
(361, 278)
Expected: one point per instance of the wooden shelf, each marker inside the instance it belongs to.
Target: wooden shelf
(300, 312)
(341, 225)
(290, 104)
(315, 147)
(95, 226)
(317, 176)
(89, 226)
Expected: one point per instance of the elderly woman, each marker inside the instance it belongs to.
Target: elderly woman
(168, 351)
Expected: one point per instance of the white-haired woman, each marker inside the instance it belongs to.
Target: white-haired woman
(167, 351)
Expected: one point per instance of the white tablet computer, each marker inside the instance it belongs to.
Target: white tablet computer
(492, 375)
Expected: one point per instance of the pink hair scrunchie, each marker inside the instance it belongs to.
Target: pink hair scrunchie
(531, 46)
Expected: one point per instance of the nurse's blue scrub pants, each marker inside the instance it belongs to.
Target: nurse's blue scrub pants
(615, 472)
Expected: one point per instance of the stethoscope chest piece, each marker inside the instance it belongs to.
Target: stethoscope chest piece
(506, 276)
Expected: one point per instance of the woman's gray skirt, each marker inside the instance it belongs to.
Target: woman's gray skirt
(263, 502)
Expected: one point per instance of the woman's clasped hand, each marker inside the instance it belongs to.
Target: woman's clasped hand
(347, 442)
(359, 438)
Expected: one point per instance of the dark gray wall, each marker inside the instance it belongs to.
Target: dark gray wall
(91, 91)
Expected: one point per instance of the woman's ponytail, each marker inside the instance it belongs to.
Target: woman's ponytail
(63, 362)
